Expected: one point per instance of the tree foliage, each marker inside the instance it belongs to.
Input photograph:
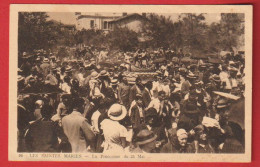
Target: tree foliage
(35, 32)
(190, 33)
(160, 29)
(122, 39)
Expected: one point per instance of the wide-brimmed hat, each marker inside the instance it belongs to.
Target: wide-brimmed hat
(94, 75)
(199, 129)
(54, 68)
(145, 136)
(215, 78)
(20, 78)
(176, 66)
(68, 69)
(151, 112)
(233, 69)
(114, 81)
(117, 112)
(191, 76)
(182, 69)
(139, 96)
(222, 103)
(191, 108)
(25, 55)
(122, 65)
(203, 65)
(198, 82)
(46, 60)
(158, 72)
(103, 73)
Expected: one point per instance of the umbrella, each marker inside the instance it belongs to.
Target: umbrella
(41, 89)
(227, 95)
(237, 112)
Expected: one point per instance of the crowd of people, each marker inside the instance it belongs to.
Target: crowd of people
(80, 106)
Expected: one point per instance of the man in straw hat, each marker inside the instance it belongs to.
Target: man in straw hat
(139, 88)
(185, 87)
(124, 92)
(45, 66)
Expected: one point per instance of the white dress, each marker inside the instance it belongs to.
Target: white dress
(113, 131)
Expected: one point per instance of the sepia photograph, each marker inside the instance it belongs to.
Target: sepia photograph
(130, 83)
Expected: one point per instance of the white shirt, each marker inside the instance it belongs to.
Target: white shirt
(65, 87)
(223, 76)
(94, 120)
(178, 87)
(166, 89)
(81, 78)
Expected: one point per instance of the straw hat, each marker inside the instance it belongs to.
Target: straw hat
(114, 81)
(94, 75)
(117, 112)
(20, 78)
(222, 103)
(103, 73)
(46, 60)
(68, 69)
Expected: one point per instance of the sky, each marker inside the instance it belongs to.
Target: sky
(70, 18)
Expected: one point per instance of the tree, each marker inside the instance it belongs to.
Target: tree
(160, 29)
(191, 30)
(227, 34)
(35, 32)
(232, 28)
(122, 39)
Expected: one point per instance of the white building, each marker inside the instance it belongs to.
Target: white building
(106, 23)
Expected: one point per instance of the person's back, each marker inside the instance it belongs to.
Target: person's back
(72, 126)
(45, 68)
(42, 137)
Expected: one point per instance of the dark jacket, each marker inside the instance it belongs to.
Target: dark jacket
(232, 145)
(136, 118)
(109, 95)
(174, 147)
(188, 122)
(144, 92)
(42, 136)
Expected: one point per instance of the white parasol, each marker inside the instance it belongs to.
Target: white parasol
(227, 95)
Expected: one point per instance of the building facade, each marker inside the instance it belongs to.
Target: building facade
(108, 23)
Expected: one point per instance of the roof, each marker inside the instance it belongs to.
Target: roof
(97, 16)
(62, 24)
(128, 16)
